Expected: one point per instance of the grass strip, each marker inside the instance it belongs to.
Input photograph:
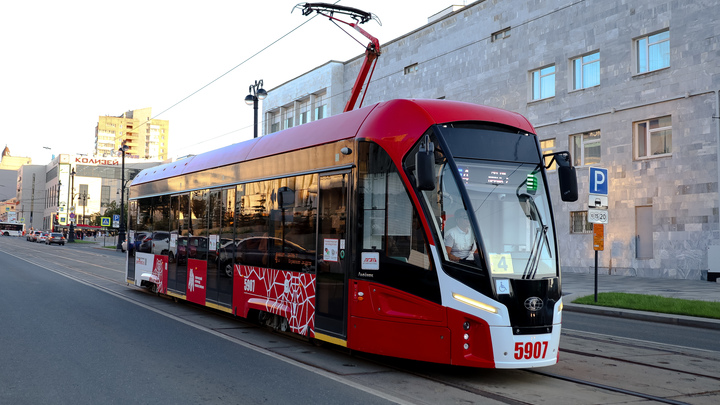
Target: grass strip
(654, 303)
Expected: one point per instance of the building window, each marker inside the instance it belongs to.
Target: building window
(303, 117)
(548, 146)
(320, 112)
(543, 82)
(653, 52)
(502, 34)
(653, 137)
(104, 196)
(579, 222)
(289, 122)
(274, 127)
(586, 71)
(585, 148)
(411, 69)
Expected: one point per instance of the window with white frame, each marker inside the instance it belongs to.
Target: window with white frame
(548, 146)
(320, 112)
(579, 222)
(543, 83)
(585, 148)
(653, 137)
(653, 52)
(586, 71)
(289, 122)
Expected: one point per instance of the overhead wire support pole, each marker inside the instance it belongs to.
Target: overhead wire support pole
(372, 51)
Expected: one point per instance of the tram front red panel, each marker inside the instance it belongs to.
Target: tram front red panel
(391, 322)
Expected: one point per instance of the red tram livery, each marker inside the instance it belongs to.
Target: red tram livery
(420, 229)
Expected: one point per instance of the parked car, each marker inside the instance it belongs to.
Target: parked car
(265, 252)
(193, 247)
(156, 243)
(41, 237)
(55, 237)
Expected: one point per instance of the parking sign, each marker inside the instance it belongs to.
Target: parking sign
(598, 181)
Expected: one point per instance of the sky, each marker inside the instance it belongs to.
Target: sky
(64, 64)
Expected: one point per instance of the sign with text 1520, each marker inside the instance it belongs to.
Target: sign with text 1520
(597, 216)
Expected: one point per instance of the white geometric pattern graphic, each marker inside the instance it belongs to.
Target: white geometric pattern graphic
(285, 293)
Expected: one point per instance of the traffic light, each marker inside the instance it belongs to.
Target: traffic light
(57, 219)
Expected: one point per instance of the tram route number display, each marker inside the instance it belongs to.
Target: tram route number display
(530, 350)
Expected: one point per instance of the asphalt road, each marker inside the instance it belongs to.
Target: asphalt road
(685, 336)
(66, 342)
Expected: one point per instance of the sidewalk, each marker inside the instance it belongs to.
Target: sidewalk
(575, 285)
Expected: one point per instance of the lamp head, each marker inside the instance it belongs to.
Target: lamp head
(261, 94)
(249, 99)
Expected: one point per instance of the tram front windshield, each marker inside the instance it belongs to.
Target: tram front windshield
(509, 204)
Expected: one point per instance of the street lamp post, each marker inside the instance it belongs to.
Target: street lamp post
(256, 93)
(121, 233)
(71, 211)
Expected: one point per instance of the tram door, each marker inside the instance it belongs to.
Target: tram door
(332, 255)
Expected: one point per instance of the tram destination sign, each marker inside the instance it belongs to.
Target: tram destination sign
(597, 216)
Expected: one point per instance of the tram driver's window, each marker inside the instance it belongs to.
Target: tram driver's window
(390, 223)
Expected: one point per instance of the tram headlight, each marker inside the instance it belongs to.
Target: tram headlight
(474, 303)
(560, 307)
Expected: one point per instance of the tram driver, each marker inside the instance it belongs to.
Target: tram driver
(459, 240)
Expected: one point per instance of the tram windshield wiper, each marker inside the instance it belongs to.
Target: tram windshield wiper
(534, 259)
(533, 213)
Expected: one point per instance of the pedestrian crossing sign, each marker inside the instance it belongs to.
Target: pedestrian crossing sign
(104, 221)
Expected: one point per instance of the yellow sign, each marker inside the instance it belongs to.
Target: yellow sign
(104, 221)
(501, 263)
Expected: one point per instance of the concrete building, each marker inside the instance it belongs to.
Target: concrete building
(31, 195)
(629, 86)
(95, 183)
(148, 138)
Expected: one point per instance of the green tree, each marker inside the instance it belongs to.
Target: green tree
(111, 209)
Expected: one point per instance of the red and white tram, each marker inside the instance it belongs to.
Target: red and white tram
(419, 229)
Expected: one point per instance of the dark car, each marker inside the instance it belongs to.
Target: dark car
(55, 237)
(266, 252)
(193, 247)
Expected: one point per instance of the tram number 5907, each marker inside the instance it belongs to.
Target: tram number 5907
(530, 350)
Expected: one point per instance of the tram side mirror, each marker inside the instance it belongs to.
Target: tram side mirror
(425, 166)
(566, 176)
(286, 197)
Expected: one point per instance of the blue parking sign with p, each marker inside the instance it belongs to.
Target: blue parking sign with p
(116, 218)
(598, 181)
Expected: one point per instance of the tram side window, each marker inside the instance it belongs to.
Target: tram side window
(252, 227)
(390, 222)
(159, 243)
(198, 241)
(143, 225)
(390, 225)
(293, 221)
(275, 225)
